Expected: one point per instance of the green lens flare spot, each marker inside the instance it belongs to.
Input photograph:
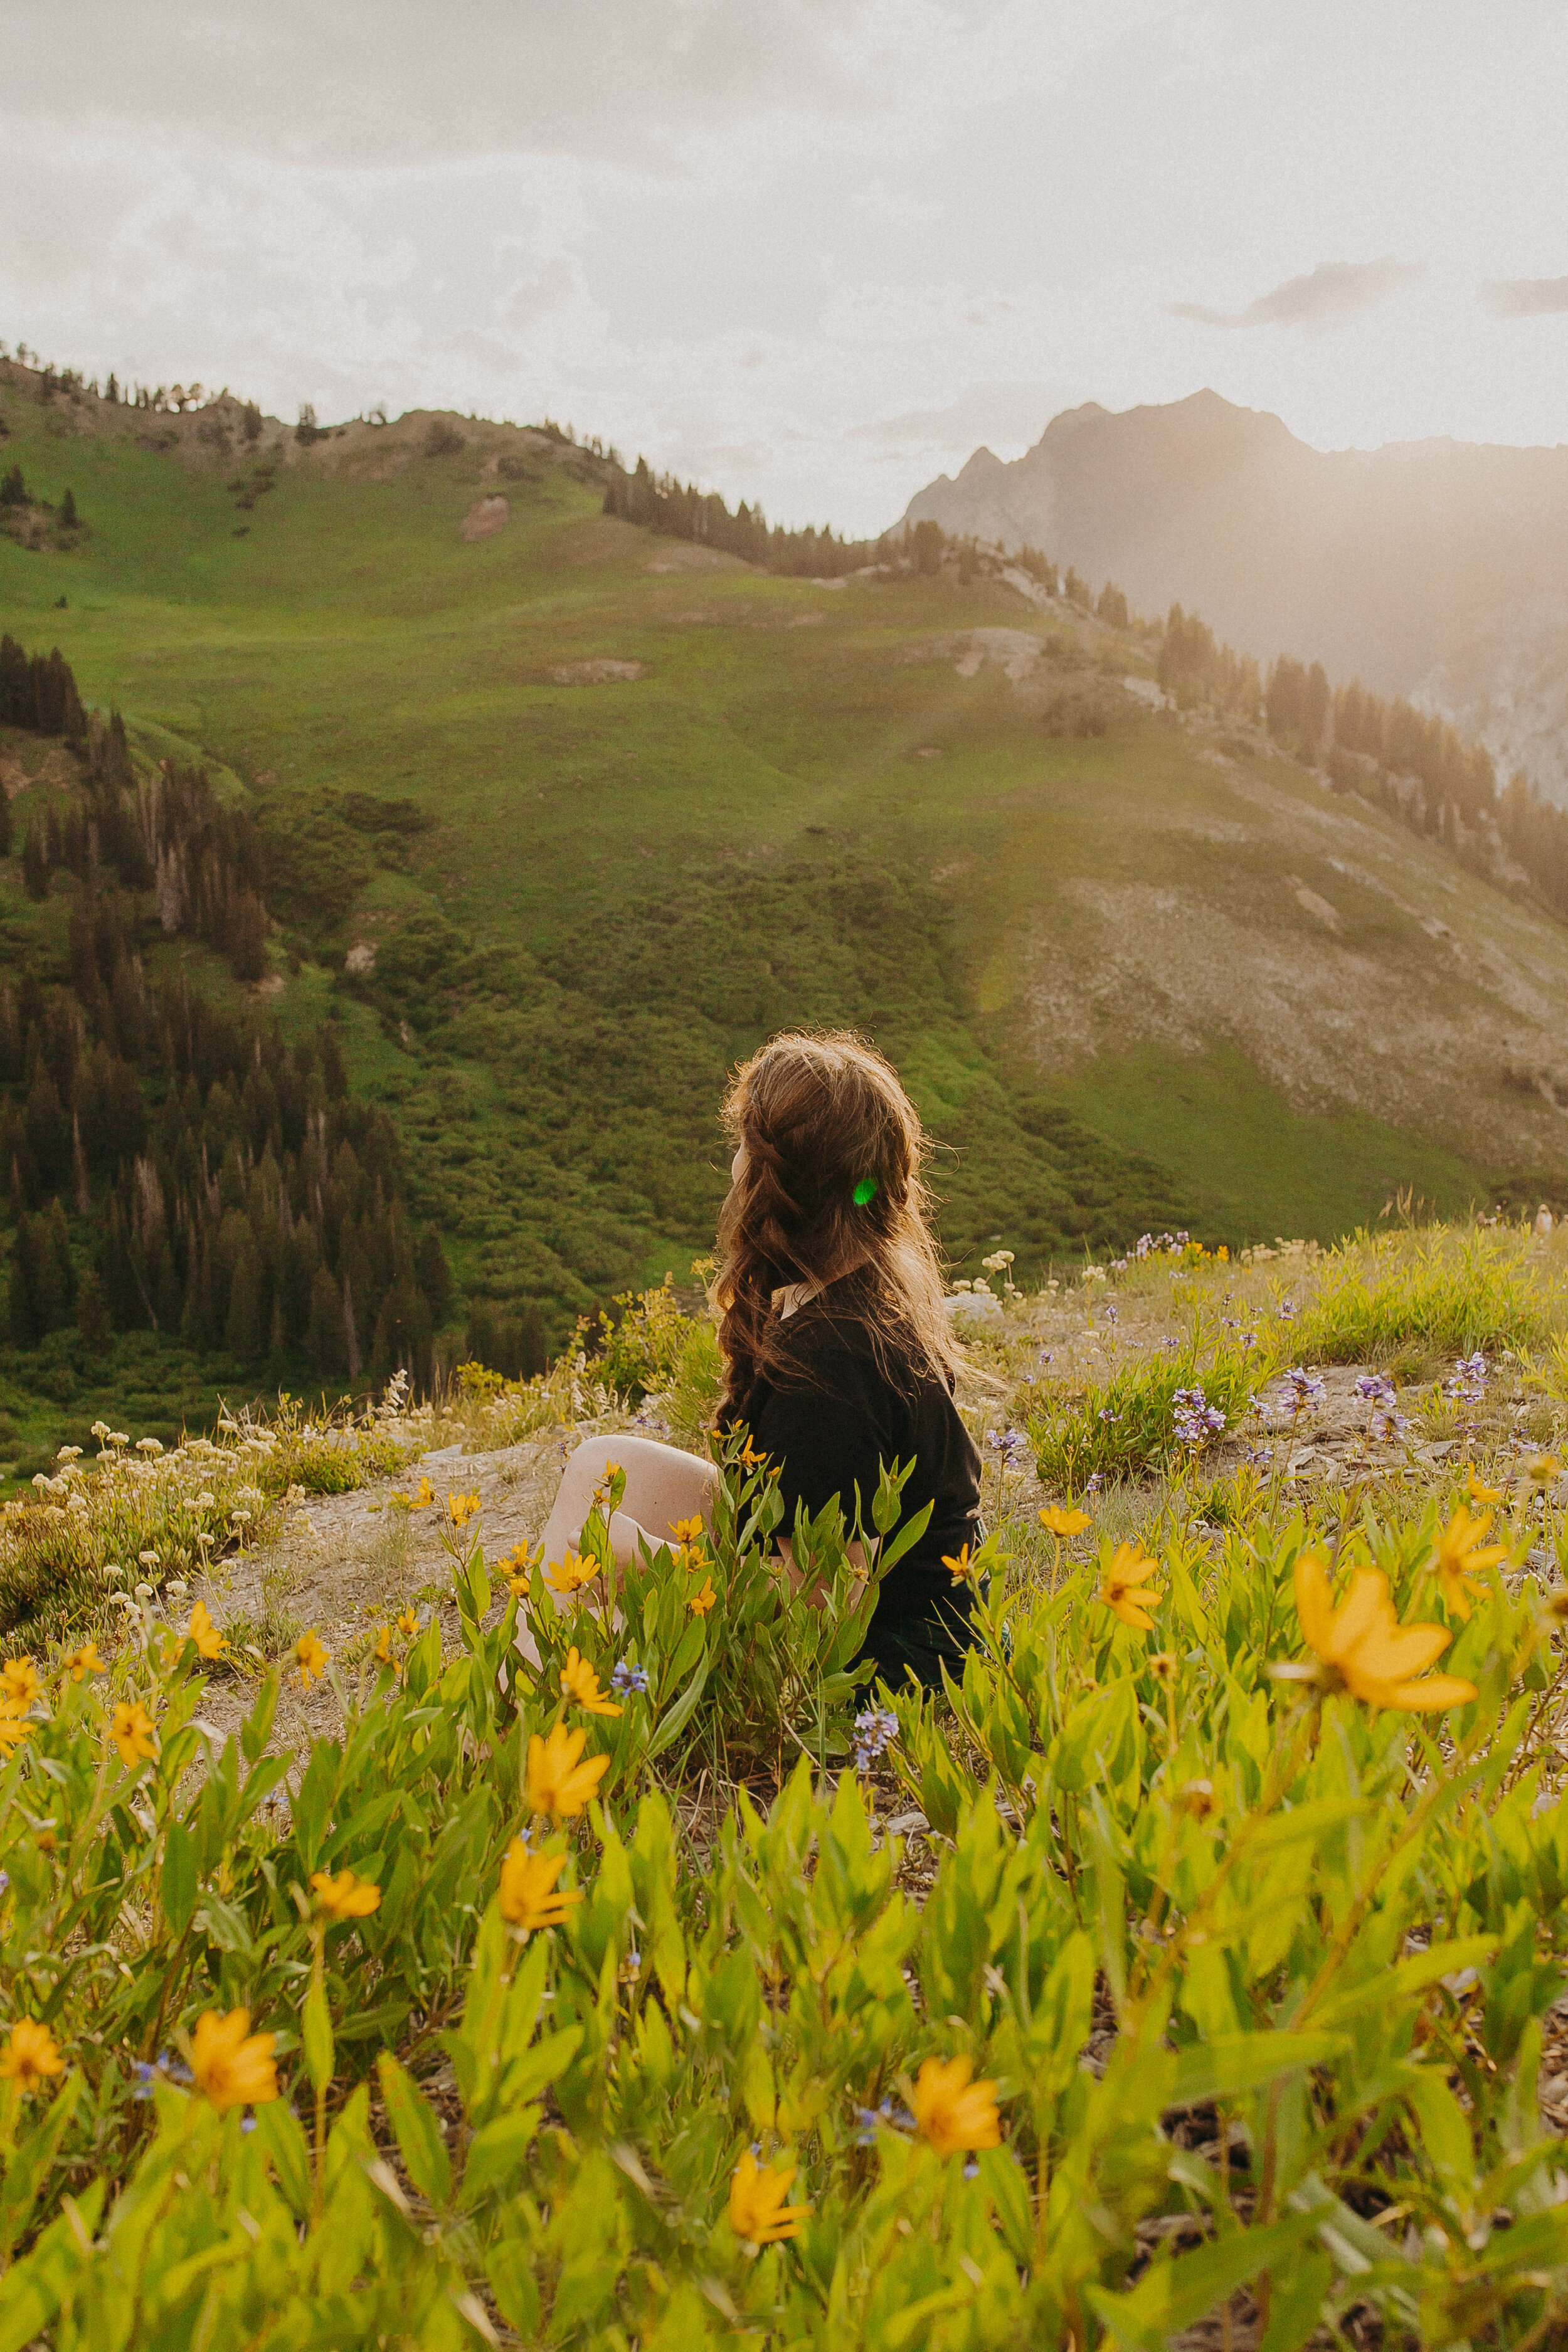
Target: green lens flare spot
(865, 1191)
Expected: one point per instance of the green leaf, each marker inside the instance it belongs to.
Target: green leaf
(316, 2031)
(278, 2131)
(418, 2130)
(32, 2289)
(257, 1730)
(1175, 2294)
(676, 1717)
(177, 1884)
(494, 2153)
(1236, 2062)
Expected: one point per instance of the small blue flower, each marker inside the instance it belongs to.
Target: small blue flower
(972, 2169)
(627, 1677)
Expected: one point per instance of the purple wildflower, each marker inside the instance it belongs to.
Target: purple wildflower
(1196, 1421)
(627, 1677)
(875, 1730)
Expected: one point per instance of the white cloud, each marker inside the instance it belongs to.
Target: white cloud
(810, 251)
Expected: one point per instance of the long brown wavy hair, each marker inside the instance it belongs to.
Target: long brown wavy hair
(819, 1115)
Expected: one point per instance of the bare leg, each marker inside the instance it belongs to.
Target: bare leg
(663, 1485)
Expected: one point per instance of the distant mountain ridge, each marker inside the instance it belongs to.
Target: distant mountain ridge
(1433, 569)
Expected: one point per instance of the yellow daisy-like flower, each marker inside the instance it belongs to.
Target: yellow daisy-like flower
(580, 1684)
(687, 1531)
(530, 1897)
(1462, 1556)
(19, 1681)
(1059, 1520)
(757, 2209)
(381, 1653)
(559, 1778)
(130, 1728)
(952, 2112)
(1541, 1469)
(31, 2055)
(569, 1575)
(751, 1459)
(462, 1509)
(699, 1603)
(962, 1565)
(1480, 1493)
(233, 2066)
(14, 1727)
(209, 1641)
(345, 1897)
(408, 1622)
(1362, 1648)
(312, 1658)
(1125, 1589)
(80, 1664)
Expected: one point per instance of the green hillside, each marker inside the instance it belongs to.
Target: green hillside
(1147, 975)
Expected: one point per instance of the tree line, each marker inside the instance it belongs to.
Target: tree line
(681, 510)
(1414, 763)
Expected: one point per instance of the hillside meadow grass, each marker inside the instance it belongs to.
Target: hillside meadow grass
(800, 811)
(1195, 1962)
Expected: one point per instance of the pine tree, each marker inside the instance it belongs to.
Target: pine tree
(434, 1276)
(245, 1334)
(93, 1313)
(324, 1336)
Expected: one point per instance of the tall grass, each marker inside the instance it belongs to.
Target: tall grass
(1443, 1292)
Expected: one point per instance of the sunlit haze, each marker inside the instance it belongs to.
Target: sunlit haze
(813, 251)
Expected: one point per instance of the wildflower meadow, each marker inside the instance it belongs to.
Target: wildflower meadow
(1194, 1963)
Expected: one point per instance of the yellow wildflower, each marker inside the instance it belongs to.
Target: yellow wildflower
(313, 1659)
(580, 1684)
(233, 2066)
(687, 1531)
(130, 1728)
(1059, 1520)
(700, 1602)
(19, 1681)
(751, 1459)
(408, 1622)
(1163, 1665)
(1541, 1469)
(345, 1897)
(381, 1653)
(1125, 1589)
(1480, 1492)
(80, 1664)
(31, 2055)
(209, 1641)
(569, 1575)
(559, 1778)
(757, 2209)
(1462, 1556)
(14, 1727)
(1363, 1648)
(423, 1496)
(960, 1564)
(952, 2112)
(462, 1509)
(530, 1897)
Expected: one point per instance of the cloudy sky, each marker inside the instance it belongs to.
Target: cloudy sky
(812, 251)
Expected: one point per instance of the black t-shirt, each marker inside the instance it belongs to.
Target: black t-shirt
(829, 1423)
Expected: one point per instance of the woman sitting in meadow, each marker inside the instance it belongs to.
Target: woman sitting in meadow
(837, 1351)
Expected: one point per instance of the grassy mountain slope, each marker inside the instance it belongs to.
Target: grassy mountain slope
(1134, 976)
